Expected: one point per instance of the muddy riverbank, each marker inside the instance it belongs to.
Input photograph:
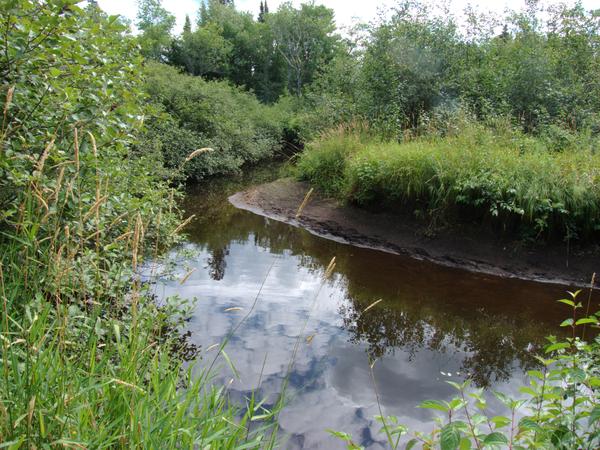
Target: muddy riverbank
(465, 247)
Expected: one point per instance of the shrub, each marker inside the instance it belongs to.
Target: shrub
(88, 358)
(194, 113)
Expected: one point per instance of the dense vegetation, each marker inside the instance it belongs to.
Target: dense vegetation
(89, 360)
(500, 125)
(502, 178)
(190, 113)
(515, 96)
(500, 128)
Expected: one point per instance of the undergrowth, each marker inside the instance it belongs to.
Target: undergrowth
(500, 177)
(88, 359)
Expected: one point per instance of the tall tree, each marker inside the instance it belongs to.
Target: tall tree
(264, 10)
(203, 52)
(155, 24)
(305, 39)
(187, 26)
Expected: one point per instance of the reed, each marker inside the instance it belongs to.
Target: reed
(507, 179)
(88, 369)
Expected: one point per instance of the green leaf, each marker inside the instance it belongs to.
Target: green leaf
(457, 403)
(500, 421)
(567, 302)
(455, 385)
(594, 415)
(410, 444)
(586, 321)
(449, 438)
(527, 390)
(434, 404)
(230, 364)
(465, 444)
(557, 346)
(567, 323)
(529, 424)
(340, 435)
(495, 439)
(535, 374)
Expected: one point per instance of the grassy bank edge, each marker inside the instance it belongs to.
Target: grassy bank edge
(500, 178)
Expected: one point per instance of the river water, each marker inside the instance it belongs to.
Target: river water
(433, 324)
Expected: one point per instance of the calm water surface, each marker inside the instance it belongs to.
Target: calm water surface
(434, 324)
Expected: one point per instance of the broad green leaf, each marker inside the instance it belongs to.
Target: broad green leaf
(465, 444)
(586, 321)
(500, 421)
(495, 439)
(557, 346)
(449, 438)
(434, 404)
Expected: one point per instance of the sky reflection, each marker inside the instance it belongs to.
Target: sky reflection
(432, 320)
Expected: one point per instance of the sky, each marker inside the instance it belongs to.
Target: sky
(347, 12)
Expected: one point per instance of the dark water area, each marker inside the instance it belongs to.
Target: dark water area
(433, 324)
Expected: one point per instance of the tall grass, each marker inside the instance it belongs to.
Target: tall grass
(88, 358)
(512, 181)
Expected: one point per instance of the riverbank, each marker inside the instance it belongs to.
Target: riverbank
(460, 246)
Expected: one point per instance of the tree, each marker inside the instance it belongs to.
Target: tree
(264, 10)
(203, 52)
(156, 24)
(305, 39)
(239, 31)
(187, 26)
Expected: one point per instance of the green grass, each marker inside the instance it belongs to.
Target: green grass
(504, 178)
(88, 359)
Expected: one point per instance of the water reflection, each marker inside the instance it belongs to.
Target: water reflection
(217, 263)
(431, 322)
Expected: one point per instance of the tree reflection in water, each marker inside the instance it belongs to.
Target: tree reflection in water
(217, 263)
(491, 324)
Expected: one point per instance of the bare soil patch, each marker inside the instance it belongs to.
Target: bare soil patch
(462, 246)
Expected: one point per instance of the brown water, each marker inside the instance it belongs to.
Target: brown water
(434, 323)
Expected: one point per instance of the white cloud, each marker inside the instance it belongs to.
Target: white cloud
(347, 12)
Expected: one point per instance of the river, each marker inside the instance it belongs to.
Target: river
(433, 324)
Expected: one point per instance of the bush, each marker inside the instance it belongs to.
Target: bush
(505, 178)
(88, 359)
(192, 113)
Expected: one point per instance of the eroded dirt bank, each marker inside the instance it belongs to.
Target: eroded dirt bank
(462, 246)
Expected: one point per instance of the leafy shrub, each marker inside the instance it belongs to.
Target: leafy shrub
(196, 113)
(87, 356)
(541, 70)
